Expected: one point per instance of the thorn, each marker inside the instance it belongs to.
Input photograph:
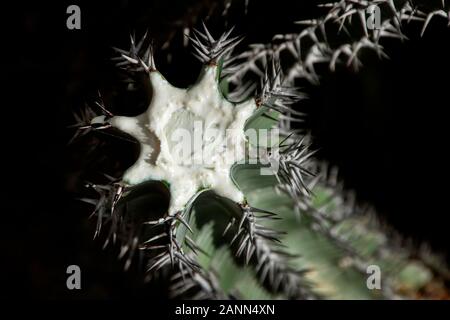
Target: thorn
(229, 225)
(180, 218)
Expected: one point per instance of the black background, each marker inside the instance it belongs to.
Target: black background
(386, 128)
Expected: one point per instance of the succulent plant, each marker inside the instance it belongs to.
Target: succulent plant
(340, 36)
(251, 216)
